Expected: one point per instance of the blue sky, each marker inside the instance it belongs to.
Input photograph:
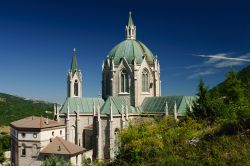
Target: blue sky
(192, 39)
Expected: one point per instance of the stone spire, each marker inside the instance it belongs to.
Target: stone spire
(73, 67)
(131, 28)
(74, 78)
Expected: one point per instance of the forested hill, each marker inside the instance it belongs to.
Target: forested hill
(235, 82)
(13, 108)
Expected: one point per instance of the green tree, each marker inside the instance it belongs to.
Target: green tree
(55, 161)
(201, 108)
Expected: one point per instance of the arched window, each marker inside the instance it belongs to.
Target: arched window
(124, 81)
(76, 88)
(145, 80)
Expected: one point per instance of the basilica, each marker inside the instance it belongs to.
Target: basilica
(131, 91)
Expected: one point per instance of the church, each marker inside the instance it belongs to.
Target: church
(131, 91)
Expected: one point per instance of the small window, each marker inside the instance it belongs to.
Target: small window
(23, 135)
(116, 131)
(76, 88)
(23, 150)
(34, 135)
(60, 132)
(53, 133)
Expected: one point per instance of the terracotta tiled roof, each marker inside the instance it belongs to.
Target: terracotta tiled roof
(34, 122)
(61, 146)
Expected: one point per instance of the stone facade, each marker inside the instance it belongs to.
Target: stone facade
(27, 143)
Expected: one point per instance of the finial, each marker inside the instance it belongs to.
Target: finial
(130, 13)
(74, 49)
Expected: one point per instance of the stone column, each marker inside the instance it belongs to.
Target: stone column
(111, 135)
(67, 124)
(78, 135)
(99, 135)
(122, 119)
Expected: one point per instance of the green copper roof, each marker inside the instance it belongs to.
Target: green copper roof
(131, 49)
(157, 104)
(74, 62)
(116, 103)
(86, 105)
(130, 20)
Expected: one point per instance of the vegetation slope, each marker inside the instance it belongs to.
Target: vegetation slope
(216, 132)
(14, 108)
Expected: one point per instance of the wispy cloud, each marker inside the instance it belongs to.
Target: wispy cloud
(217, 61)
(201, 73)
(224, 56)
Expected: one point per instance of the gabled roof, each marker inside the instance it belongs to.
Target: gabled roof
(34, 122)
(157, 104)
(86, 105)
(116, 102)
(61, 146)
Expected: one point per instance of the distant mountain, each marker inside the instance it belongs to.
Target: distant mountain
(14, 107)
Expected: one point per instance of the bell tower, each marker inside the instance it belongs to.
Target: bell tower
(74, 78)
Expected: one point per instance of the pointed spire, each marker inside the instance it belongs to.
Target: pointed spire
(111, 112)
(94, 111)
(68, 112)
(130, 20)
(131, 28)
(78, 112)
(122, 112)
(126, 112)
(98, 112)
(175, 111)
(74, 62)
(166, 108)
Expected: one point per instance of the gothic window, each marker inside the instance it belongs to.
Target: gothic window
(145, 80)
(124, 82)
(76, 88)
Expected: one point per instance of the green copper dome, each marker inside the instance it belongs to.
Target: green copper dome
(130, 50)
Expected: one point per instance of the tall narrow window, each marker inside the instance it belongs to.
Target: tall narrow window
(145, 85)
(23, 150)
(124, 81)
(76, 88)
